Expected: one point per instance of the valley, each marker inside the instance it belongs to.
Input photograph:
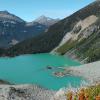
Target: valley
(51, 58)
(75, 36)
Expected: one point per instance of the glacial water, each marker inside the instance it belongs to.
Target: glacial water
(33, 69)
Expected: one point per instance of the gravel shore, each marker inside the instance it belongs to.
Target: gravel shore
(90, 71)
(24, 92)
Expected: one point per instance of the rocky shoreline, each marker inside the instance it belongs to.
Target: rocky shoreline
(90, 72)
(25, 92)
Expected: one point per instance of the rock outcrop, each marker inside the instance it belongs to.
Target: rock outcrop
(24, 92)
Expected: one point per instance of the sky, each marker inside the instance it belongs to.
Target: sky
(32, 9)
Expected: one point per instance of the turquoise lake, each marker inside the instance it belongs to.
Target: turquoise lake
(33, 69)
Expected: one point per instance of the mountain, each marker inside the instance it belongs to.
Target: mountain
(14, 30)
(47, 21)
(6, 16)
(77, 35)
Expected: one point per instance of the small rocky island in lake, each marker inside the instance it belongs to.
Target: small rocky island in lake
(59, 74)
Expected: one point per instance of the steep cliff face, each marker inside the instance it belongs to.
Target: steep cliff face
(83, 41)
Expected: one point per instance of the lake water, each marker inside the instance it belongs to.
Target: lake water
(33, 69)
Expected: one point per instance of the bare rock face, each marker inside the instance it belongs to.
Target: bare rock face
(46, 20)
(82, 30)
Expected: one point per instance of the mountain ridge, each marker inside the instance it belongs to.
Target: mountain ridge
(47, 41)
(5, 15)
(46, 20)
(14, 30)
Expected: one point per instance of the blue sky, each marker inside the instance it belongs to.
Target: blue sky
(31, 9)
